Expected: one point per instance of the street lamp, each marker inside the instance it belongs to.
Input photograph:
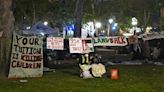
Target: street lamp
(109, 26)
(114, 26)
(45, 23)
(110, 21)
(97, 25)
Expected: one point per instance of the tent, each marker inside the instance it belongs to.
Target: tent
(40, 29)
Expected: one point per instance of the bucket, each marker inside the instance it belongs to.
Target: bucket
(114, 74)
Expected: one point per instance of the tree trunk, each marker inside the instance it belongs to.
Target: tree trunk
(162, 23)
(7, 27)
(146, 49)
(78, 17)
(146, 19)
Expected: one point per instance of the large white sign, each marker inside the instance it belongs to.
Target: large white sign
(81, 45)
(110, 41)
(75, 45)
(56, 43)
(26, 57)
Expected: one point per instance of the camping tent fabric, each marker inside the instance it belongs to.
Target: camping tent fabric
(40, 28)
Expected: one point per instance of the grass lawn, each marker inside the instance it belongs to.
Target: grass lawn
(144, 78)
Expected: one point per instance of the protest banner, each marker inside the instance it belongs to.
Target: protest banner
(56, 43)
(110, 41)
(26, 57)
(75, 45)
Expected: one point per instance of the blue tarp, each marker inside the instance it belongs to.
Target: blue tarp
(40, 28)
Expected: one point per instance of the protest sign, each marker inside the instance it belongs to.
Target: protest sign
(87, 45)
(26, 57)
(56, 43)
(75, 45)
(79, 45)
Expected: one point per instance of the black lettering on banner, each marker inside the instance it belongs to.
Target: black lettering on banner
(31, 41)
(19, 64)
(15, 56)
(36, 41)
(17, 38)
(16, 47)
(27, 50)
(27, 65)
(25, 41)
(14, 64)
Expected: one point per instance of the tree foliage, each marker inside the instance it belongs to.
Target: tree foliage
(62, 10)
(123, 10)
(31, 11)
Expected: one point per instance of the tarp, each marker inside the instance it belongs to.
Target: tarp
(40, 28)
(152, 36)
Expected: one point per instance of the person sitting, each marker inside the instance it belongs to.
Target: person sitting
(96, 59)
(85, 66)
(97, 68)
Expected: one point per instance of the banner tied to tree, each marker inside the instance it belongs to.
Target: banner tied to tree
(110, 41)
(26, 57)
